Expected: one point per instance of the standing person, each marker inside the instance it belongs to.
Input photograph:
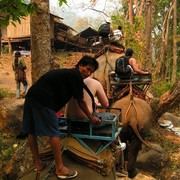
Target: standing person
(19, 68)
(49, 94)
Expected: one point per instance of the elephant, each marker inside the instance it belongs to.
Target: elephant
(136, 113)
(136, 116)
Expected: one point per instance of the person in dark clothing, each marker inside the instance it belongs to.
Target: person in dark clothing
(19, 68)
(132, 61)
(47, 96)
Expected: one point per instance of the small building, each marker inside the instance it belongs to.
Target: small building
(19, 36)
(90, 34)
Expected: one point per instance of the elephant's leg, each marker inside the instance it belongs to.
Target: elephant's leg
(134, 148)
(128, 136)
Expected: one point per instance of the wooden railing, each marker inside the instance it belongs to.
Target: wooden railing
(63, 36)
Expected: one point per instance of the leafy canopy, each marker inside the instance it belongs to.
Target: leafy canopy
(62, 1)
(12, 11)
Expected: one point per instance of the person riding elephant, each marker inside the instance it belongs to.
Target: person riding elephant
(73, 112)
(132, 61)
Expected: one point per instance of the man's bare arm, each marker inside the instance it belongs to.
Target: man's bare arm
(84, 108)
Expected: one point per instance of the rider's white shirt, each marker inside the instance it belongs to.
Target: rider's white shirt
(117, 35)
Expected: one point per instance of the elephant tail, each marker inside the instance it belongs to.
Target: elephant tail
(136, 131)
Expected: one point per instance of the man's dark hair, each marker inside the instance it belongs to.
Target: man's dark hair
(120, 27)
(129, 52)
(88, 60)
(17, 54)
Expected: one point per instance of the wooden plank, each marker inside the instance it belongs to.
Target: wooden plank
(82, 41)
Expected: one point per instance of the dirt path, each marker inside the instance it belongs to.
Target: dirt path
(7, 75)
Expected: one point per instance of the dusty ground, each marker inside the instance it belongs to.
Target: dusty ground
(7, 81)
(7, 74)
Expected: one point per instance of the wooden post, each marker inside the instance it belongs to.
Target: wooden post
(9, 46)
(0, 42)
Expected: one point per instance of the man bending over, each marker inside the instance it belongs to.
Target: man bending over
(49, 94)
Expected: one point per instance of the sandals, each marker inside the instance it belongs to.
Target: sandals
(44, 164)
(39, 170)
(72, 174)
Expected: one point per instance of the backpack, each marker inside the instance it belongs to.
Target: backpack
(104, 30)
(19, 67)
(121, 66)
(21, 75)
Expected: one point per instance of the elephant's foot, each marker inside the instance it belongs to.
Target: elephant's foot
(132, 173)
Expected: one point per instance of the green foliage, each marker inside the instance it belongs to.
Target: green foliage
(134, 34)
(132, 38)
(167, 144)
(5, 49)
(13, 10)
(4, 93)
(6, 148)
(160, 88)
(61, 2)
(160, 10)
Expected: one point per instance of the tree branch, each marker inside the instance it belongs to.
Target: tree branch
(167, 101)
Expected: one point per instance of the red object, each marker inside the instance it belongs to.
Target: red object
(59, 114)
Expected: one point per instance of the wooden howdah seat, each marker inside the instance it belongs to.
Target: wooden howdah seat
(83, 130)
(119, 85)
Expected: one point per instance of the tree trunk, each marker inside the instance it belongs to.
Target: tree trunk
(148, 58)
(40, 40)
(167, 101)
(174, 68)
(0, 42)
(130, 10)
(141, 8)
(165, 35)
(9, 46)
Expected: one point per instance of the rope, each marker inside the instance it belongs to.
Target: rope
(132, 104)
(91, 96)
(107, 62)
(131, 101)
